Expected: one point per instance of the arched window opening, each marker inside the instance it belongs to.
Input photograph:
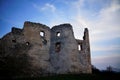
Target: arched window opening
(58, 34)
(42, 33)
(57, 47)
(79, 47)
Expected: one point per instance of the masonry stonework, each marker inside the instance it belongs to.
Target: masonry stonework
(39, 50)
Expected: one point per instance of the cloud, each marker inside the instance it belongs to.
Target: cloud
(46, 7)
(107, 24)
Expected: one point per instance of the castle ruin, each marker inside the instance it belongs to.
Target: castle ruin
(39, 50)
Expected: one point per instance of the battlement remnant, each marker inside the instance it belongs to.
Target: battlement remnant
(39, 50)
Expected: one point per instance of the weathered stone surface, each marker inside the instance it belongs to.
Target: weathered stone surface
(38, 50)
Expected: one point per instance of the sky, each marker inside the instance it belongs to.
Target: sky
(101, 17)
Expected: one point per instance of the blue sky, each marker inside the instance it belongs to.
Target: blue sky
(101, 17)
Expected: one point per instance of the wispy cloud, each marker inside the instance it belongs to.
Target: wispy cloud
(48, 6)
(105, 24)
(108, 23)
(45, 7)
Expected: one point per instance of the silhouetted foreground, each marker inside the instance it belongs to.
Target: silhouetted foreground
(103, 76)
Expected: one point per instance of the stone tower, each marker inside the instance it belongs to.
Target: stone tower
(46, 51)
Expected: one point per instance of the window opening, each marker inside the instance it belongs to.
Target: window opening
(42, 33)
(44, 41)
(27, 43)
(14, 40)
(58, 34)
(58, 47)
(79, 47)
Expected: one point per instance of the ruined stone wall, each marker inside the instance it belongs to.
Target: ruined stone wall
(66, 59)
(38, 36)
(41, 50)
